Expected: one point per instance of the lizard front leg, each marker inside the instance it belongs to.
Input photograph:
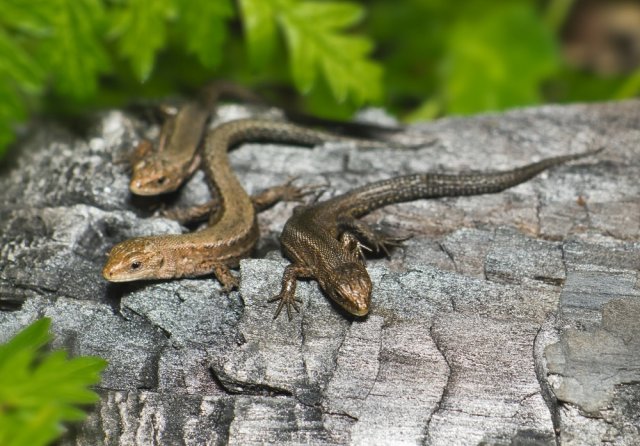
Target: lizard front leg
(287, 295)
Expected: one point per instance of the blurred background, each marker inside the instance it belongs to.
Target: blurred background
(419, 59)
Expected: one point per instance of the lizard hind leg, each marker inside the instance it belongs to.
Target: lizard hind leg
(225, 277)
(193, 214)
(284, 192)
(369, 238)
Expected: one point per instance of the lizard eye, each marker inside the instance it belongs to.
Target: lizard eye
(135, 264)
(162, 180)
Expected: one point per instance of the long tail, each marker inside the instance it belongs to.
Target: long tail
(412, 187)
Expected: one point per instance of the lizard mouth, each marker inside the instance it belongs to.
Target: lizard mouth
(159, 186)
(112, 275)
(108, 275)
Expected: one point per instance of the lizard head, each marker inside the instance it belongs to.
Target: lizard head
(154, 176)
(350, 287)
(135, 259)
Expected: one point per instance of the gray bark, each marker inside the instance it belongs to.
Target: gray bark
(506, 319)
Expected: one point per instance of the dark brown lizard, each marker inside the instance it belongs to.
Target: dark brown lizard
(232, 231)
(324, 240)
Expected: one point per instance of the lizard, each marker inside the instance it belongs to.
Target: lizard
(324, 240)
(232, 230)
(163, 169)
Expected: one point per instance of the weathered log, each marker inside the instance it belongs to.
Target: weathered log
(506, 319)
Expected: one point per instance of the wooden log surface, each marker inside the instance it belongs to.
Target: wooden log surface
(511, 318)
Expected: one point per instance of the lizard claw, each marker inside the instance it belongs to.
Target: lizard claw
(289, 302)
(319, 191)
(383, 242)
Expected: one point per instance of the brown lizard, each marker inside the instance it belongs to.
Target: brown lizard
(232, 231)
(324, 240)
(162, 169)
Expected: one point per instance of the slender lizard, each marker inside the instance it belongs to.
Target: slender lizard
(324, 240)
(232, 231)
(162, 169)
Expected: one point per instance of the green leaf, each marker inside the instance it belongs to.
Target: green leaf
(313, 34)
(17, 66)
(20, 74)
(260, 30)
(141, 31)
(410, 57)
(39, 390)
(29, 16)
(429, 109)
(74, 54)
(630, 87)
(557, 12)
(498, 59)
(204, 29)
(28, 340)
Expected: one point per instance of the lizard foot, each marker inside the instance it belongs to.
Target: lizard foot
(293, 193)
(381, 242)
(288, 300)
(283, 192)
(226, 278)
(287, 295)
(289, 192)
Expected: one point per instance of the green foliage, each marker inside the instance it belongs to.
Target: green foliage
(486, 68)
(260, 26)
(73, 52)
(203, 30)
(39, 390)
(439, 57)
(65, 49)
(140, 29)
(317, 44)
(312, 32)
(465, 56)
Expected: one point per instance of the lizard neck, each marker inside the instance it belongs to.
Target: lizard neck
(235, 222)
